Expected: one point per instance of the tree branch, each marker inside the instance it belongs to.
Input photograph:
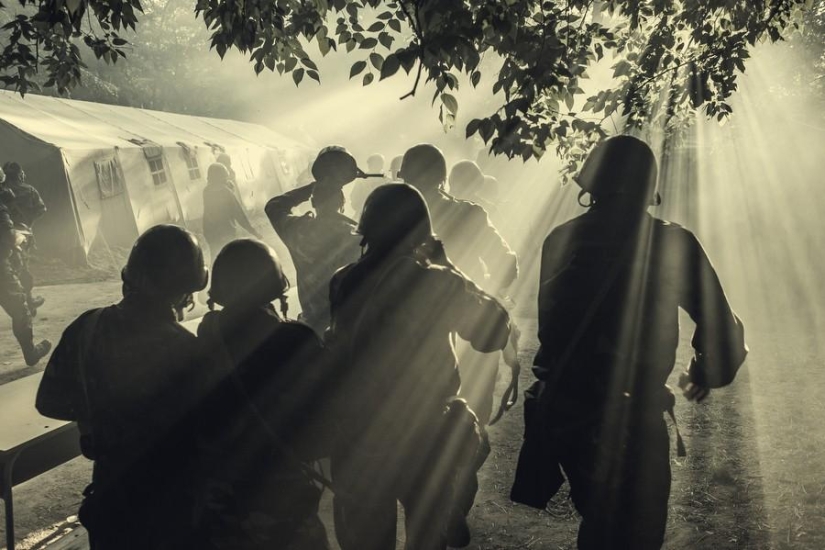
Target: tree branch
(411, 93)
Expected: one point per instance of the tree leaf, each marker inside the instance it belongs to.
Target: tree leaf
(377, 60)
(357, 68)
(298, 75)
(390, 66)
(368, 78)
(450, 102)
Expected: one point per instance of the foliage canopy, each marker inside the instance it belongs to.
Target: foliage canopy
(669, 58)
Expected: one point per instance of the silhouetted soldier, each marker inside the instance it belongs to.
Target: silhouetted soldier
(13, 296)
(223, 213)
(226, 160)
(129, 375)
(322, 242)
(475, 247)
(27, 208)
(393, 314)
(263, 425)
(612, 282)
(362, 189)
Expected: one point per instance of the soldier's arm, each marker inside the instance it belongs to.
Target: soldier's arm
(37, 206)
(501, 261)
(239, 215)
(555, 256)
(719, 338)
(279, 209)
(480, 319)
(61, 394)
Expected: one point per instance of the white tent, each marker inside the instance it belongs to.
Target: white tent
(107, 173)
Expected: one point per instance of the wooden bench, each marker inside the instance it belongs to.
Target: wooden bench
(30, 443)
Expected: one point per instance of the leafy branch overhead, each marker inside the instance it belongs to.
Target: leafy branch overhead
(669, 58)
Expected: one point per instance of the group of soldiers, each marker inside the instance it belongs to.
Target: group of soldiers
(212, 441)
(20, 207)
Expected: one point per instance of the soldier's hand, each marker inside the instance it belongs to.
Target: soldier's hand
(691, 391)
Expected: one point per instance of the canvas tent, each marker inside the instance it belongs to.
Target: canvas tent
(107, 173)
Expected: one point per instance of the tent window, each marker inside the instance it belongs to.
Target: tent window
(157, 170)
(109, 178)
(192, 165)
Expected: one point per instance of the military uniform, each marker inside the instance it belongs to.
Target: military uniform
(609, 298)
(392, 320)
(25, 210)
(262, 428)
(318, 245)
(13, 295)
(129, 375)
(222, 214)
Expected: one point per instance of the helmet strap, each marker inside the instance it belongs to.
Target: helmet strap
(284, 306)
(582, 193)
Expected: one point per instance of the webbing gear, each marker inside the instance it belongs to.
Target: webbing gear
(274, 438)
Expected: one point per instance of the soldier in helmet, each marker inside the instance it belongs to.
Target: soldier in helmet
(223, 213)
(13, 295)
(321, 242)
(393, 314)
(27, 208)
(129, 375)
(263, 424)
(362, 189)
(474, 246)
(612, 282)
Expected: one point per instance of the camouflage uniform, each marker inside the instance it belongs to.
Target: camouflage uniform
(25, 210)
(318, 245)
(13, 296)
(129, 375)
(260, 439)
(392, 321)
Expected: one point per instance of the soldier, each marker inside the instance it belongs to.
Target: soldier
(612, 281)
(226, 160)
(222, 211)
(393, 314)
(25, 210)
(321, 242)
(13, 296)
(362, 189)
(129, 375)
(474, 246)
(263, 425)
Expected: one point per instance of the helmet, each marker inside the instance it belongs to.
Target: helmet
(424, 166)
(375, 163)
(395, 214)
(620, 166)
(12, 169)
(335, 164)
(247, 272)
(218, 173)
(166, 263)
(466, 172)
(395, 165)
(466, 177)
(224, 159)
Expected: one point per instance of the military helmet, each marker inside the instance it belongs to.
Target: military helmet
(12, 168)
(225, 159)
(465, 174)
(619, 166)
(334, 163)
(395, 214)
(217, 172)
(423, 165)
(166, 262)
(247, 272)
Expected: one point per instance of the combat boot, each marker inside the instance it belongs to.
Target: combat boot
(34, 354)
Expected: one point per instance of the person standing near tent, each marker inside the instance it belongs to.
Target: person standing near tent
(322, 242)
(226, 160)
(223, 212)
(394, 312)
(266, 423)
(13, 296)
(130, 375)
(612, 282)
(25, 210)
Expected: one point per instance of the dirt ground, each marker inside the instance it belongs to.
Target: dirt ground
(754, 477)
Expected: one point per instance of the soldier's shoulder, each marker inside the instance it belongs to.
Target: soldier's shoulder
(672, 229)
(299, 332)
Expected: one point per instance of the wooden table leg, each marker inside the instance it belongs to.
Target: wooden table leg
(7, 500)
